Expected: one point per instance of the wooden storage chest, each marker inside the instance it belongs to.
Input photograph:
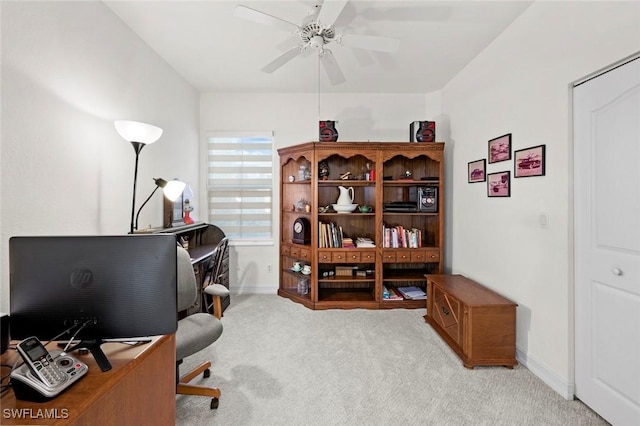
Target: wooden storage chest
(476, 322)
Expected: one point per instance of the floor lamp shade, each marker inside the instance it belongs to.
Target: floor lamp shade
(135, 131)
(139, 134)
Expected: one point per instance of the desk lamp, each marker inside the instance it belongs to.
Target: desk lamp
(139, 134)
(172, 190)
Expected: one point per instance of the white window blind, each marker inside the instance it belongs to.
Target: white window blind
(240, 185)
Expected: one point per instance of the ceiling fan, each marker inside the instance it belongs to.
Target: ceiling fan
(315, 32)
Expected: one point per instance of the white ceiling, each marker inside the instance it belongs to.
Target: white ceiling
(216, 51)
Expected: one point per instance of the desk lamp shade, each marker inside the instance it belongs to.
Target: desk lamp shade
(135, 131)
(172, 189)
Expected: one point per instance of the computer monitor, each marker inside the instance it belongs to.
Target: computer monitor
(92, 288)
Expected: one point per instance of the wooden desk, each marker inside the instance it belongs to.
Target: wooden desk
(203, 239)
(138, 390)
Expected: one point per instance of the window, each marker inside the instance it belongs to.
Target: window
(240, 185)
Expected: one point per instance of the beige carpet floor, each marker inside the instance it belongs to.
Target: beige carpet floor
(279, 363)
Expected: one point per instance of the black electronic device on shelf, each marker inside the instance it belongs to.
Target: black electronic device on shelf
(400, 207)
(426, 197)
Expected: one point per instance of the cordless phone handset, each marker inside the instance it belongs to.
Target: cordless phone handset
(40, 362)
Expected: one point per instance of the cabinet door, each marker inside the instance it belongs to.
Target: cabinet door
(446, 312)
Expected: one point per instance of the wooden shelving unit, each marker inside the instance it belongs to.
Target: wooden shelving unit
(401, 169)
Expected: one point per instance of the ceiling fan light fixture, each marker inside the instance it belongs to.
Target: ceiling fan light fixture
(317, 42)
(313, 29)
(316, 31)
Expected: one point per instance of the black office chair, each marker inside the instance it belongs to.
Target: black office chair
(196, 331)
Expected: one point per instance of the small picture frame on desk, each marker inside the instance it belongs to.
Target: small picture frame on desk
(173, 212)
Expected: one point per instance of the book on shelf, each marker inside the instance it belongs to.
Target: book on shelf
(330, 235)
(364, 242)
(401, 237)
(412, 292)
(348, 243)
(390, 293)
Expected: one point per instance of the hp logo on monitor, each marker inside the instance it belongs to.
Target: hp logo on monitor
(81, 278)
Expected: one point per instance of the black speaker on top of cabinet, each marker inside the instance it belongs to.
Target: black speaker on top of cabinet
(422, 131)
(328, 132)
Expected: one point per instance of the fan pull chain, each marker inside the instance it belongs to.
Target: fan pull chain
(318, 56)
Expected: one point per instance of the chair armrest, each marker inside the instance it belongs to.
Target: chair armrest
(216, 290)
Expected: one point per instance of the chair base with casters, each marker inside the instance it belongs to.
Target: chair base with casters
(195, 332)
(184, 388)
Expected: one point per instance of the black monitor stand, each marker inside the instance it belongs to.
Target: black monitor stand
(94, 347)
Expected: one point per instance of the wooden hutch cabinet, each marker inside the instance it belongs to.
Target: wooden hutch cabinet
(401, 181)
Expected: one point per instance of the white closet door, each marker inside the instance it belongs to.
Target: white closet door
(607, 243)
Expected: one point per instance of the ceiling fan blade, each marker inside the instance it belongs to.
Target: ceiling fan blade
(330, 11)
(282, 59)
(289, 42)
(379, 44)
(264, 18)
(331, 67)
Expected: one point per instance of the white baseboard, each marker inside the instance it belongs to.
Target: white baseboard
(558, 384)
(253, 290)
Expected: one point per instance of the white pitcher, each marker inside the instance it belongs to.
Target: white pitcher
(346, 195)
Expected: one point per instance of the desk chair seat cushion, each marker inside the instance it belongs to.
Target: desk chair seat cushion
(216, 290)
(196, 332)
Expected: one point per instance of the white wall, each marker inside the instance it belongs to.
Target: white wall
(69, 69)
(294, 119)
(521, 85)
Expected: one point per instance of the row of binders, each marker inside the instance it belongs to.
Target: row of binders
(401, 237)
(403, 293)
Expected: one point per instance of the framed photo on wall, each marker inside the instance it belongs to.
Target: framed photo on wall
(476, 171)
(499, 184)
(529, 162)
(500, 149)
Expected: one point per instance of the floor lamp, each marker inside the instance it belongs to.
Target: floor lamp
(139, 134)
